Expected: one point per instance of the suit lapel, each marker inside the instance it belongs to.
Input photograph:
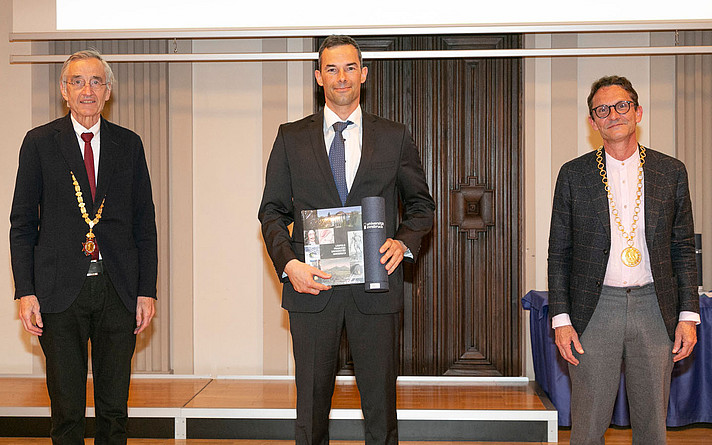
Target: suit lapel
(107, 160)
(599, 196)
(651, 179)
(68, 145)
(316, 136)
(368, 143)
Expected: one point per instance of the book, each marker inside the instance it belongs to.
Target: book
(345, 242)
(333, 243)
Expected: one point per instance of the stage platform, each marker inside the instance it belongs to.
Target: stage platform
(189, 407)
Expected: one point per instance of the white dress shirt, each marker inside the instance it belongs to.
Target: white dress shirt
(623, 182)
(353, 135)
(95, 148)
(95, 142)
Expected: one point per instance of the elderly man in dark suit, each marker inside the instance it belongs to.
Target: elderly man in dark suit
(622, 272)
(377, 158)
(83, 245)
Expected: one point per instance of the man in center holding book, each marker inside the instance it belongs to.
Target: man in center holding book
(331, 159)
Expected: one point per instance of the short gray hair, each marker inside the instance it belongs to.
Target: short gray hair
(90, 53)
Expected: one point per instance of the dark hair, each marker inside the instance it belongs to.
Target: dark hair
(339, 40)
(608, 81)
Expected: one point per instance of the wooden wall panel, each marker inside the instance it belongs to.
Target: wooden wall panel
(461, 313)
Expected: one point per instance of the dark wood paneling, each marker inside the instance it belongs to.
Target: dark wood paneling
(461, 314)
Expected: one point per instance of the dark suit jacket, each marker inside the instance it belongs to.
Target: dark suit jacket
(580, 239)
(47, 229)
(299, 178)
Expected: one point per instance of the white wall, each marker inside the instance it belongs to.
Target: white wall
(227, 288)
(239, 326)
(15, 120)
(227, 142)
(36, 15)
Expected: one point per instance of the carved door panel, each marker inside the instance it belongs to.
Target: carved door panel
(461, 313)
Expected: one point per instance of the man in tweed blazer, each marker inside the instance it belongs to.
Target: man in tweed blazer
(622, 271)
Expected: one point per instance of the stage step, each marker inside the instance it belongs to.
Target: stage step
(429, 408)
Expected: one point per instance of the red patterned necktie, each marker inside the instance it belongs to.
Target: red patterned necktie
(89, 164)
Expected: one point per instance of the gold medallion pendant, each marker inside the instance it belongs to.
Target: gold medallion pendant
(631, 256)
(89, 246)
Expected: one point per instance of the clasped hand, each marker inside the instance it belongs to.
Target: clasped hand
(302, 276)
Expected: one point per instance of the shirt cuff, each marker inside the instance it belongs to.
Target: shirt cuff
(407, 253)
(560, 320)
(689, 316)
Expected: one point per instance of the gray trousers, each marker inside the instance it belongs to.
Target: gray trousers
(626, 328)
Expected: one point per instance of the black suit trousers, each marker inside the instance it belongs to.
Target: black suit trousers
(373, 339)
(97, 315)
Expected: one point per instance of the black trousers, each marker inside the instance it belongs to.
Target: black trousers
(373, 340)
(99, 316)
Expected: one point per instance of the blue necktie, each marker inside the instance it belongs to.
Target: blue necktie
(337, 159)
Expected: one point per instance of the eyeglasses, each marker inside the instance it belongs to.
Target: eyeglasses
(622, 107)
(79, 83)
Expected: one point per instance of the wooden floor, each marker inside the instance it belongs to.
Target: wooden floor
(223, 400)
(281, 394)
(253, 394)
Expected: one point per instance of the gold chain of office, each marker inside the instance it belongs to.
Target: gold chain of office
(630, 256)
(88, 246)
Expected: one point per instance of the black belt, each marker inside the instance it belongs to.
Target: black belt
(96, 267)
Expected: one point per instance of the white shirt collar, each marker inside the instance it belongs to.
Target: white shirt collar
(330, 118)
(633, 159)
(79, 128)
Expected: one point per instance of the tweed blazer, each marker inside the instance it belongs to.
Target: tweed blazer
(580, 239)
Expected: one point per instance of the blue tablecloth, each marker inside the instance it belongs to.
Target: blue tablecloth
(691, 387)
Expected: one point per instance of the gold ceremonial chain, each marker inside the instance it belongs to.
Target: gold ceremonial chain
(89, 246)
(630, 256)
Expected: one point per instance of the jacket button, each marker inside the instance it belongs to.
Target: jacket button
(598, 284)
(605, 251)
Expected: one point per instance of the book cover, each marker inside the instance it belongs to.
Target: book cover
(333, 242)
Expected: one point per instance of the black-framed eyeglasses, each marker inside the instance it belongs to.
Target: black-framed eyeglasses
(80, 83)
(622, 107)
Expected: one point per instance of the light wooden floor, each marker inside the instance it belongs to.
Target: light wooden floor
(265, 394)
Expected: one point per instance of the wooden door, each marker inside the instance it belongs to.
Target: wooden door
(461, 314)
